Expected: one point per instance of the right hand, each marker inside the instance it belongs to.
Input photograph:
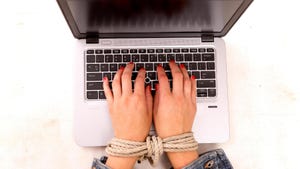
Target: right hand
(174, 111)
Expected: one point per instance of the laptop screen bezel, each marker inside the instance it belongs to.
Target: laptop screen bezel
(75, 31)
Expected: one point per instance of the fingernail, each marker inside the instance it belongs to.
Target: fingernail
(141, 69)
(182, 65)
(105, 78)
(172, 60)
(121, 67)
(193, 77)
(149, 88)
(130, 62)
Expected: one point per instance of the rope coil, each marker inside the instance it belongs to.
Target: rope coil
(153, 148)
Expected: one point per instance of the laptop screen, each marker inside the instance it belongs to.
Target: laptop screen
(151, 16)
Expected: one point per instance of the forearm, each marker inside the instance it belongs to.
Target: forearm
(181, 159)
(121, 162)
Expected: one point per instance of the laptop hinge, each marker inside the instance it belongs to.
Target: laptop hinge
(92, 38)
(207, 38)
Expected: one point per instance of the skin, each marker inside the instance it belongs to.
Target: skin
(172, 112)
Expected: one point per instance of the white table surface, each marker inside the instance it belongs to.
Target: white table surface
(36, 88)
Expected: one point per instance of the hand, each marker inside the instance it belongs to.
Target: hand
(174, 111)
(130, 112)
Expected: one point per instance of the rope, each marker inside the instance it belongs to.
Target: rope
(153, 148)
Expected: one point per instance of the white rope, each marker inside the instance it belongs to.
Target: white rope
(153, 148)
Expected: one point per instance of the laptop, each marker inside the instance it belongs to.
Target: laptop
(150, 32)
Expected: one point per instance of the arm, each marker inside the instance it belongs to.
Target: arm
(174, 111)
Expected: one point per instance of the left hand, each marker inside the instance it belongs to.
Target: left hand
(130, 111)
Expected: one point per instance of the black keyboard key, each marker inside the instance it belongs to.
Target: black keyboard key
(151, 75)
(124, 51)
(188, 57)
(150, 50)
(170, 57)
(116, 51)
(208, 57)
(90, 51)
(184, 50)
(108, 75)
(94, 85)
(179, 57)
(104, 67)
(144, 58)
(135, 58)
(149, 66)
(201, 92)
(192, 66)
(92, 94)
(126, 58)
(99, 51)
(196, 74)
(210, 50)
(206, 83)
(169, 75)
(133, 50)
(166, 66)
(159, 50)
(134, 75)
(197, 57)
(168, 50)
(90, 58)
(142, 50)
(138, 66)
(94, 76)
(113, 67)
(212, 92)
(107, 51)
(109, 58)
(201, 66)
(210, 65)
(153, 57)
(117, 58)
(201, 50)
(92, 68)
(100, 58)
(193, 50)
(208, 75)
(176, 50)
(162, 57)
(121, 65)
(102, 95)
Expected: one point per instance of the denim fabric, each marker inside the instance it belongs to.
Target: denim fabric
(97, 164)
(215, 159)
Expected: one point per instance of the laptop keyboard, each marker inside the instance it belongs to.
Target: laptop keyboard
(199, 62)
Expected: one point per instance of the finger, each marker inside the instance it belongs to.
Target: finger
(156, 99)
(116, 84)
(177, 78)
(194, 89)
(107, 91)
(187, 88)
(126, 79)
(139, 84)
(164, 85)
(149, 99)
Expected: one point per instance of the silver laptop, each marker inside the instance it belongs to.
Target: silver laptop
(148, 33)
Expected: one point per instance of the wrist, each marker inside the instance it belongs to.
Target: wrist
(181, 159)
